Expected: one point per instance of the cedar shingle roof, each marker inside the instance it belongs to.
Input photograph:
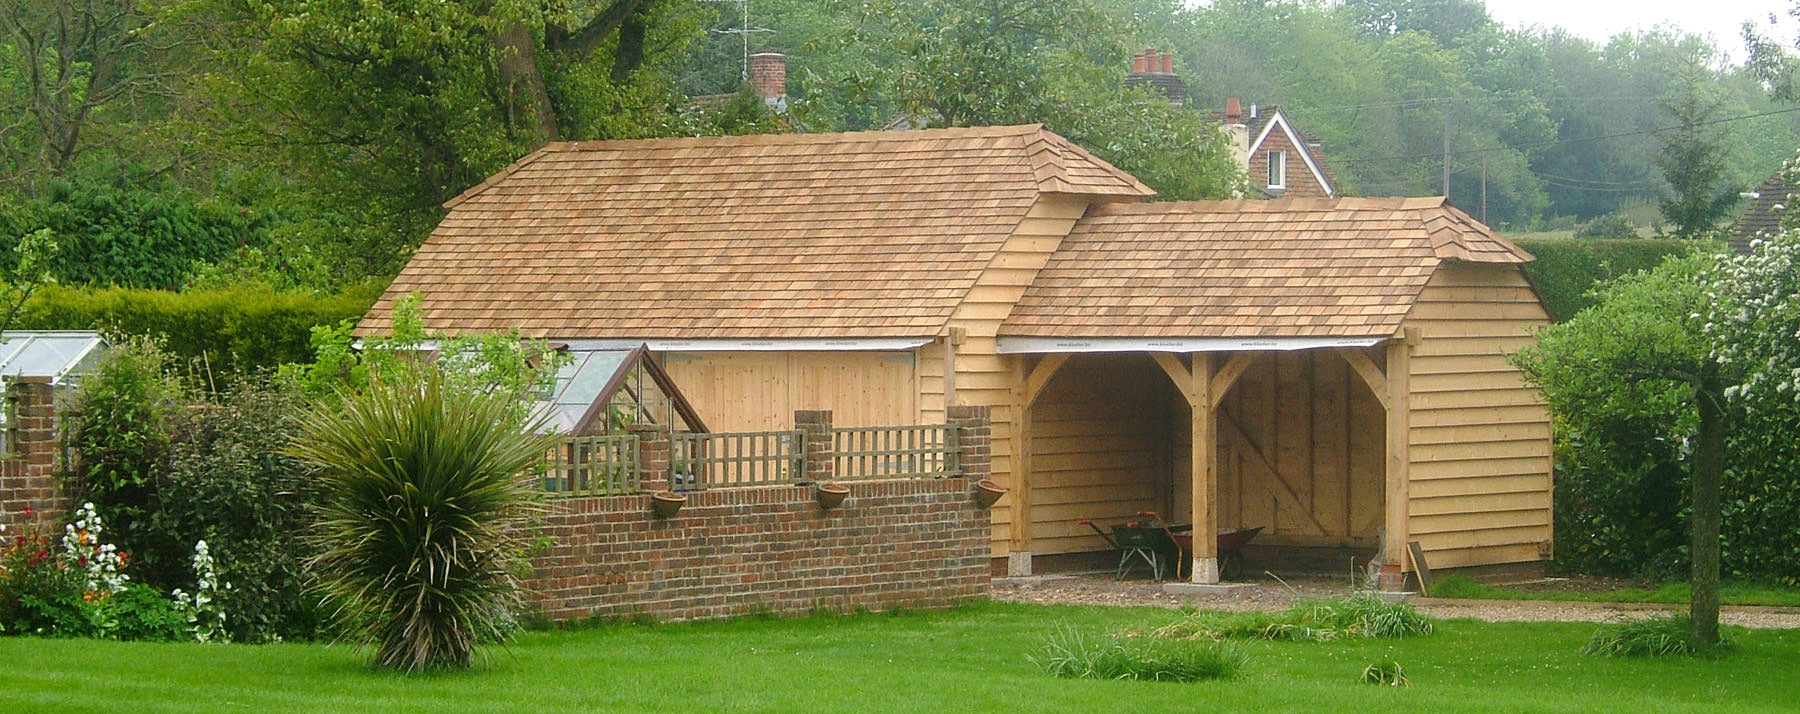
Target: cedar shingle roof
(1287, 268)
(876, 234)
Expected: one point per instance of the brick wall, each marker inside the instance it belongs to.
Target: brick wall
(920, 543)
(28, 472)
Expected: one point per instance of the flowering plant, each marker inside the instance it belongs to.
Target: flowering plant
(206, 619)
(60, 588)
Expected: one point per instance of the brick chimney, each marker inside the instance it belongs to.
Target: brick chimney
(1234, 111)
(1156, 69)
(768, 75)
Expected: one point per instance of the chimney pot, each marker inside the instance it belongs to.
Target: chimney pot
(768, 75)
(1168, 63)
(1140, 63)
(1234, 111)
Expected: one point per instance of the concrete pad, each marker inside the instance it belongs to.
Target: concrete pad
(1395, 596)
(1207, 589)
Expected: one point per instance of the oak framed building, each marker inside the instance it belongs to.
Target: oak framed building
(1346, 358)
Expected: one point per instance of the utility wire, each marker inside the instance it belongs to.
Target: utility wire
(1559, 142)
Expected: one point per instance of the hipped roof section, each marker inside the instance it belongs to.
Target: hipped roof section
(1344, 267)
(876, 234)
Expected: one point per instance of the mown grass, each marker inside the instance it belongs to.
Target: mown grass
(975, 659)
(1457, 586)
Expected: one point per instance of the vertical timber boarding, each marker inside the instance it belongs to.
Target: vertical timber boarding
(985, 377)
(1479, 484)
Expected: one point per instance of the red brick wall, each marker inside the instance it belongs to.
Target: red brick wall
(919, 543)
(28, 473)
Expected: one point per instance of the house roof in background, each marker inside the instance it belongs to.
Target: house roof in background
(1763, 217)
(874, 234)
(1284, 268)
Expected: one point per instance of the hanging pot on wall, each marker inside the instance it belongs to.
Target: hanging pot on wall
(831, 494)
(987, 491)
(666, 503)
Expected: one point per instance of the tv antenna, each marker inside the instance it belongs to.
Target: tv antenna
(743, 30)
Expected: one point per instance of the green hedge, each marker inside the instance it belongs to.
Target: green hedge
(230, 331)
(1567, 269)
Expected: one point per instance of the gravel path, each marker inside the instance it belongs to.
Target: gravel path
(1102, 589)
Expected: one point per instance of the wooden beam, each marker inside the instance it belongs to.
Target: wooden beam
(951, 341)
(1365, 368)
(1019, 536)
(1205, 498)
(1039, 377)
(1228, 375)
(1178, 373)
(1399, 451)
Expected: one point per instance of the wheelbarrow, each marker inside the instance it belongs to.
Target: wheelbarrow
(1155, 542)
(1137, 542)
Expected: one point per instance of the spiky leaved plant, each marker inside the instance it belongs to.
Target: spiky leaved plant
(426, 489)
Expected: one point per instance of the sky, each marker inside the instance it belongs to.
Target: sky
(1600, 19)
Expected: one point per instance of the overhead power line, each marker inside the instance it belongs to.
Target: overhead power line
(1560, 142)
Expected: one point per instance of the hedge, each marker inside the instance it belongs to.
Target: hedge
(228, 331)
(1567, 269)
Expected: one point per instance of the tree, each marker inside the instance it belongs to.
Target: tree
(385, 109)
(68, 61)
(1059, 64)
(1614, 372)
(1693, 159)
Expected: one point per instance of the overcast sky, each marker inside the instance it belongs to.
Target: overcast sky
(1600, 19)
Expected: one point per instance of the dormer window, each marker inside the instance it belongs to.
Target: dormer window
(1278, 168)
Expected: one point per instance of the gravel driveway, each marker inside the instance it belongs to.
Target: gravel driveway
(1102, 589)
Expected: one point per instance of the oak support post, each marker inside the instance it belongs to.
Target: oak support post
(1399, 459)
(1205, 437)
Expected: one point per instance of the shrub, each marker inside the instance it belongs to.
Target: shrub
(1611, 225)
(230, 483)
(1073, 654)
(119, 430)
(1567, 271)
(224, 331)
(142, 613)
(1654, 637)
(426, 487)
(1359, 615)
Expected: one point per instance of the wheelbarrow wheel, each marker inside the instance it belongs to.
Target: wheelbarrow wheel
(1231, 566)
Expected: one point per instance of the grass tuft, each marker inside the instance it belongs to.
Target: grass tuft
(1390, 674)
(1074, 654)
(1363, 615)
(1671, 636)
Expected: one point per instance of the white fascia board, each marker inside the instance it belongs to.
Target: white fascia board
(1048, 345)
(827, 344)
(1299, 147)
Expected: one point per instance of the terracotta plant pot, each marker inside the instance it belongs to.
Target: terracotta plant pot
(666, 503)
(987, 492)
(831, 495)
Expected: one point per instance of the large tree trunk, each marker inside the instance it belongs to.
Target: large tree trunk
(528, 99)
(1709, 464)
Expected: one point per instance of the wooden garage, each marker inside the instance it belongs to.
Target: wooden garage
(1346, 358)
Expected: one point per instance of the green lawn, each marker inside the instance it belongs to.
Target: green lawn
(1667, 593)
(970, 660)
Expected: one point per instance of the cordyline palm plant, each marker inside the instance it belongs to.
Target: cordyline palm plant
(427, 489)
